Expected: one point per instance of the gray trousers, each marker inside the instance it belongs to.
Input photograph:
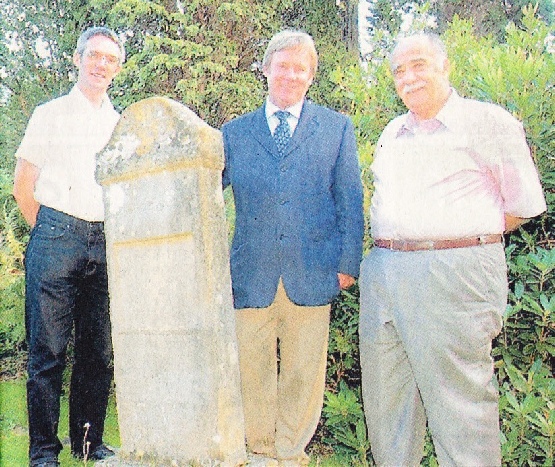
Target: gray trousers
(427, 320)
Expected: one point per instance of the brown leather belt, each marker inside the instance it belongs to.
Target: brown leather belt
(418, 245)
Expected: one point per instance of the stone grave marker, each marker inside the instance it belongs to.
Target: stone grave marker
(173, 325)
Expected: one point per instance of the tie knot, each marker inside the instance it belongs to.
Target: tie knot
(282, 115)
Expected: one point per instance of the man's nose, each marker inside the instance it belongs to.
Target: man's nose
(409, 75)
(291, 73)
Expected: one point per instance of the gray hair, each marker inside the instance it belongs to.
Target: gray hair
(434, 40)
(99, 31)
(289, 39)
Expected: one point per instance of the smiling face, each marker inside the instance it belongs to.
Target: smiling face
(98, 65)
(289, 75)
(421, 75)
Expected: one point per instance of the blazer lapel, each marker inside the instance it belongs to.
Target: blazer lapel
(307, 125)
(261, 132)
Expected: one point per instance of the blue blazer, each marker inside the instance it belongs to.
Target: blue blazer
(298, 217)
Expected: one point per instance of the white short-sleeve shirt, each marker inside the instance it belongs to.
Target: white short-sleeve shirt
(62, 139)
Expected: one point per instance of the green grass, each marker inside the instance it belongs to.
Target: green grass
(13, 424)
(14, 438)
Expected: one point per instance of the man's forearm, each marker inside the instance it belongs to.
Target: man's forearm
(25, 178)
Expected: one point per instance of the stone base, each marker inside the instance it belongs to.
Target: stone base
(123, 461)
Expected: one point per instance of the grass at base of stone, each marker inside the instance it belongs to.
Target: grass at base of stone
(336, 460)
(14, 432)
(14, 436)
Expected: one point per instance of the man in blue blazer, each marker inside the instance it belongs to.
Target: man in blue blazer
(293, 169)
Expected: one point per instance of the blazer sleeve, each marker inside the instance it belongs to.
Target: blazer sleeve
(348, 196)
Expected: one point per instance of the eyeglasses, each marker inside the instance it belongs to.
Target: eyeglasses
(96, 56)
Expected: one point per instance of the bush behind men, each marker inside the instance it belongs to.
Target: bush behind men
(443, 198)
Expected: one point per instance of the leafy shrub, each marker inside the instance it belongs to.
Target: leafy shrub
(12, 283)
(345, 422)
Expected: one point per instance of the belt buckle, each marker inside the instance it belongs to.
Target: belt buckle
(430, 245)
(482, 239)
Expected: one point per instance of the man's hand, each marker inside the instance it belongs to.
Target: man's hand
(345, 281)
(513, 223)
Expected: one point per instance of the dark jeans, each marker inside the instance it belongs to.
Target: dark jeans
(66, 287)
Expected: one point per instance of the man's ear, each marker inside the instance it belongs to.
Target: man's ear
(447, 66)
(76, 59)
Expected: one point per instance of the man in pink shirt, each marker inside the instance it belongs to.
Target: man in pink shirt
(451, 176)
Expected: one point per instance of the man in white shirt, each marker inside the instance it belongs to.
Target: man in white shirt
(451, 176)
(65, 262)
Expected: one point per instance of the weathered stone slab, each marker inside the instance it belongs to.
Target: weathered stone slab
(173, 325)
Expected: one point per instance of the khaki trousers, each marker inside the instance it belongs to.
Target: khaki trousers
(427, 320)
(282, 402)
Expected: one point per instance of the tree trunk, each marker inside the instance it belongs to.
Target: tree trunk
(350, 25)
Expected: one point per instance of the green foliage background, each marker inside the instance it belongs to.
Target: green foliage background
(207, 55)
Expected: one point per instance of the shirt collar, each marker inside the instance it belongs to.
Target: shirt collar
(82, 99)
(447, 117)
(294, 110)
(449, 114)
